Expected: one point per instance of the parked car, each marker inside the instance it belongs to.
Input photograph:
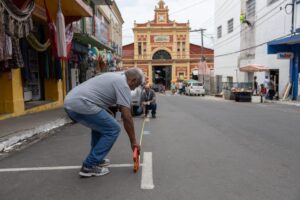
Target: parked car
(136, 96)
(194, 88)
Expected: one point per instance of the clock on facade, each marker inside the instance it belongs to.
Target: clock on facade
(161, 18)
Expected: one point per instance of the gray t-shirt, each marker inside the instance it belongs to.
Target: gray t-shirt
(149, 96)
(99, 93)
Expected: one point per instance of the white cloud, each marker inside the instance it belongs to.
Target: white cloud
(200, 14)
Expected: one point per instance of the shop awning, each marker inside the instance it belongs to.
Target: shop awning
(254, 68)
(86, 39)
(102, 2)
(70, 8)
(284, 44)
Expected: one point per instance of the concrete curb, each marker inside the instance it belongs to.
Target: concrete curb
(9, 141)
(283, 103)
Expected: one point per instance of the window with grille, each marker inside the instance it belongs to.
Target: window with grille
(250, 8)
(269, 2)
(230, 25)
(219, 31)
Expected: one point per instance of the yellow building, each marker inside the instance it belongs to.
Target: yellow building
(13, 84)
(162, 49)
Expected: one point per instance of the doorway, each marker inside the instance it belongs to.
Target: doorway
(162, 76)
(274, 75)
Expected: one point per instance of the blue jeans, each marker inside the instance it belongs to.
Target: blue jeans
(105, 131)
(151, 107)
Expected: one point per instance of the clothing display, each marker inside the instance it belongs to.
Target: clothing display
(15, 23)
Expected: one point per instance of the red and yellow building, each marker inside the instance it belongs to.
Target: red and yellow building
(162, 49)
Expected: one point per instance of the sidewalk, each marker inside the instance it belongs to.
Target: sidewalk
(15, 130)
(287, 102)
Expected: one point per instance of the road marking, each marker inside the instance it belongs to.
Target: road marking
(147, 132)
(142, 132)
(147, 172)
(58, 168)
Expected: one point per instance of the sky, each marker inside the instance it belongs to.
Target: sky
(200, 14)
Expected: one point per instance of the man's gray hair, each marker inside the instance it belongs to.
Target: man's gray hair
(135, 73)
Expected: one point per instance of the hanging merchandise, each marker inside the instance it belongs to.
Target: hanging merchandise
(36, 45)
(93, 53)
(52, 31)
(25, 55)
(5, 47)
(109, 57)
(17, 22)
(104, 56)
(61, 33)
(17, 55)
(69, 38)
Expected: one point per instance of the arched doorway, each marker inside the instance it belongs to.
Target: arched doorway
(162, 74)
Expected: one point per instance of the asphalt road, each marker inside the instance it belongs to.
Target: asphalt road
(201, 149)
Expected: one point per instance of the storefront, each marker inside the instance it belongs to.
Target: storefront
(30, 74)
(289, 48)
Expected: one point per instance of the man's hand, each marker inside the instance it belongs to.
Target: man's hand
(136, 146)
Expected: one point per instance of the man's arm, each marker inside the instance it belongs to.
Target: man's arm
(128, 125)
(153, 97)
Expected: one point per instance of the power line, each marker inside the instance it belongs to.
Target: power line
(245, 29)
(238, 33)
(227, 54)
(187, 7)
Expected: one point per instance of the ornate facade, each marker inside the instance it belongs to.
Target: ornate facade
(162, 49)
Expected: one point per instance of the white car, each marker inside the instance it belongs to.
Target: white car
(136, 96)
(195, 88)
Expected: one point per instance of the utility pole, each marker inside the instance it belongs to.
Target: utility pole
(293, 16)
(202, 58)
(292, 4)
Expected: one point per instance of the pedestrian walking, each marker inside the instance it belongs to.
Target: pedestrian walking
(255, 86)
(89, 104)
(262, 93)
(173, 87)
(271, 89)
(180, 87)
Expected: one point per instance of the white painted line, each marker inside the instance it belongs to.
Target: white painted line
(57, 168)
(147, 174)
(147, 132)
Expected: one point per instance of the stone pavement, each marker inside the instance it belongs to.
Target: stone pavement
(14, 130)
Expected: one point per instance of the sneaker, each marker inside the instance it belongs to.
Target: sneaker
(93, 171)
(153, 116)
(104, 163)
